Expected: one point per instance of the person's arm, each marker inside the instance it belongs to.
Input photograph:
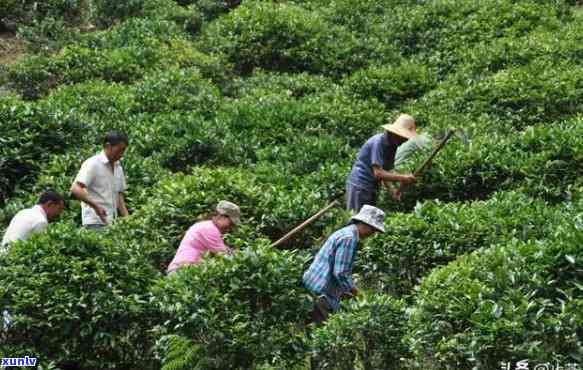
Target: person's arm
(394, 190)
(79, 192)
(78, 189)
(214, 243)
(382, 175)
(343, 261)
(121, 206)
(38, 227)
(121, 188)
(377, 161)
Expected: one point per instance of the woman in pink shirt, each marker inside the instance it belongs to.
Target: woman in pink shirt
(207, 236)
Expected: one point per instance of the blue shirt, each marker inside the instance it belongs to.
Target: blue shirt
(376, 151)
(331, 272)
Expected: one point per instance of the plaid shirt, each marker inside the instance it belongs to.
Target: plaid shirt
(330, 273)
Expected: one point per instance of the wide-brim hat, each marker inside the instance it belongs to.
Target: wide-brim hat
(372, 216)
(403, 126)
(230, 210)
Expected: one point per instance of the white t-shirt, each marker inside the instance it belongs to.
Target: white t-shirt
(24, 224)
(103, 186)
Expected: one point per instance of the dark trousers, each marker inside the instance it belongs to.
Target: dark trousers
(321, 310)
(319, 315)
(357, 197)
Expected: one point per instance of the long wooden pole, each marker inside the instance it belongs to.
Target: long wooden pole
(304, 224)
(425, 163)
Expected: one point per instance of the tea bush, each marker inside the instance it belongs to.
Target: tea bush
(30, 134)
(181, 200)
(510, 302)
(436, 234)
(77, 297)
(337, 112)
(21, 12)
(131, 50)
(133, 32)
(511, 52)
(505, 102)
(100, 100)
(276, 119)
(173, 90)
(46, 35)
(391, 85)
(359, 17)
(367, 334)
(284, 37)
(211, 9)
(266, 104)
(108, 12)
(306, 154)
(57, 174)
(514, 99)
(441, 31)
(177, 141)
(542, 161)
(296, 85)
(305, 201)
(251, 313)
(33, 76)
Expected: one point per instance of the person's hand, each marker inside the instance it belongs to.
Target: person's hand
(348, 295)
(395, 194)
(407, 179)
(101, 212)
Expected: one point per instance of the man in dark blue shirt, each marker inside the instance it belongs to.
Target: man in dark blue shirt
(375, 162)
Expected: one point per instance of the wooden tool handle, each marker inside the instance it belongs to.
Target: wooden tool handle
(304, 224)
(425, 163)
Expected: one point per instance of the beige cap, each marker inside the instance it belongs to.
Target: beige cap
(404, 126)
(230, 210)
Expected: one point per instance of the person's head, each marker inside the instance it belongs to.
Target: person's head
(227, 217)
(369, 221)
(403, 129)
(53, 204)
(114, 145)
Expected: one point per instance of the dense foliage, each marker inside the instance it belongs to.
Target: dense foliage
(265, 104)
(238, 309)
(74, 296)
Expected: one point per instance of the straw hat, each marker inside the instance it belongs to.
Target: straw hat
(404, 126)
(372, 216)
(230, 210)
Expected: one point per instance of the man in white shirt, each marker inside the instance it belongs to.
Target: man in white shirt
(33, 220)
(27, 222)
(100, 184)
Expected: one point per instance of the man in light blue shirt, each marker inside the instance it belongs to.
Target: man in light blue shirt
(375, 162)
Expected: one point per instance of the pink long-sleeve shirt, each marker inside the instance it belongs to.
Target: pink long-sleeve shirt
(202, 237)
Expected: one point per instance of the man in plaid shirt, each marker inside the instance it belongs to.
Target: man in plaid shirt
(329, 277)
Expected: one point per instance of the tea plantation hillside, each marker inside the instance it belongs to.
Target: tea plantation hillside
(266, 104)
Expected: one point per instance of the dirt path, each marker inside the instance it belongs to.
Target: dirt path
(10, 48)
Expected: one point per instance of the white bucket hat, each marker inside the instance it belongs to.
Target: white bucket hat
(371, 216)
